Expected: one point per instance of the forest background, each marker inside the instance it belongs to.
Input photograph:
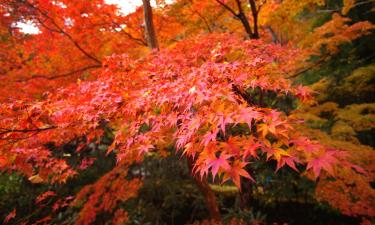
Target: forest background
(187, 112)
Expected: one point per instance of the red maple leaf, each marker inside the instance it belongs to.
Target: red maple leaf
(325, 162)
(10, 216)
(43, 196)
(236, 172)
(216, 163)
(251, 149)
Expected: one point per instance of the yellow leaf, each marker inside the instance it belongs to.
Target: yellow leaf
(279, 153)
(36, 179)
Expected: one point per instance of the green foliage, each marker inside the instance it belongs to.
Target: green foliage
(357, 87)
(168, 196)
(346, 111)
(354, 123)
(18, 192)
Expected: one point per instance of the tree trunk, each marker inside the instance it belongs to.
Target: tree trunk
(242, 17)
(245, 23)
(246, 197)
(206, 190)
(152, 40)
(254, 13)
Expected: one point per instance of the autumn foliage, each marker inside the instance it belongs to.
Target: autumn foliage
(223, 101)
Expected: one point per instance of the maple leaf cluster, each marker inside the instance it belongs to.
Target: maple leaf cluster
(213, 98)
(192, 98)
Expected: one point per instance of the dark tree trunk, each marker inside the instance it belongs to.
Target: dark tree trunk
(246, 195)
(245, 23)
(209, 195)
(254, 12)
(240, 15)
(152, 40)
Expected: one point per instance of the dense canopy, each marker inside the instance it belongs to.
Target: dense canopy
(217, 111)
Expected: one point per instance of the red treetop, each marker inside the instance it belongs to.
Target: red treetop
(191, 96)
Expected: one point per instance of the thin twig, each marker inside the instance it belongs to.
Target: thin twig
(7, 130)
(60, 75)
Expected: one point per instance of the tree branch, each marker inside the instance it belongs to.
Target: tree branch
(204, 20)
(227, 7)
(6, 130)
(60, 75)
(315, 64)
(239, 6)
(254, 13)
(63, 32)
(137, 40)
